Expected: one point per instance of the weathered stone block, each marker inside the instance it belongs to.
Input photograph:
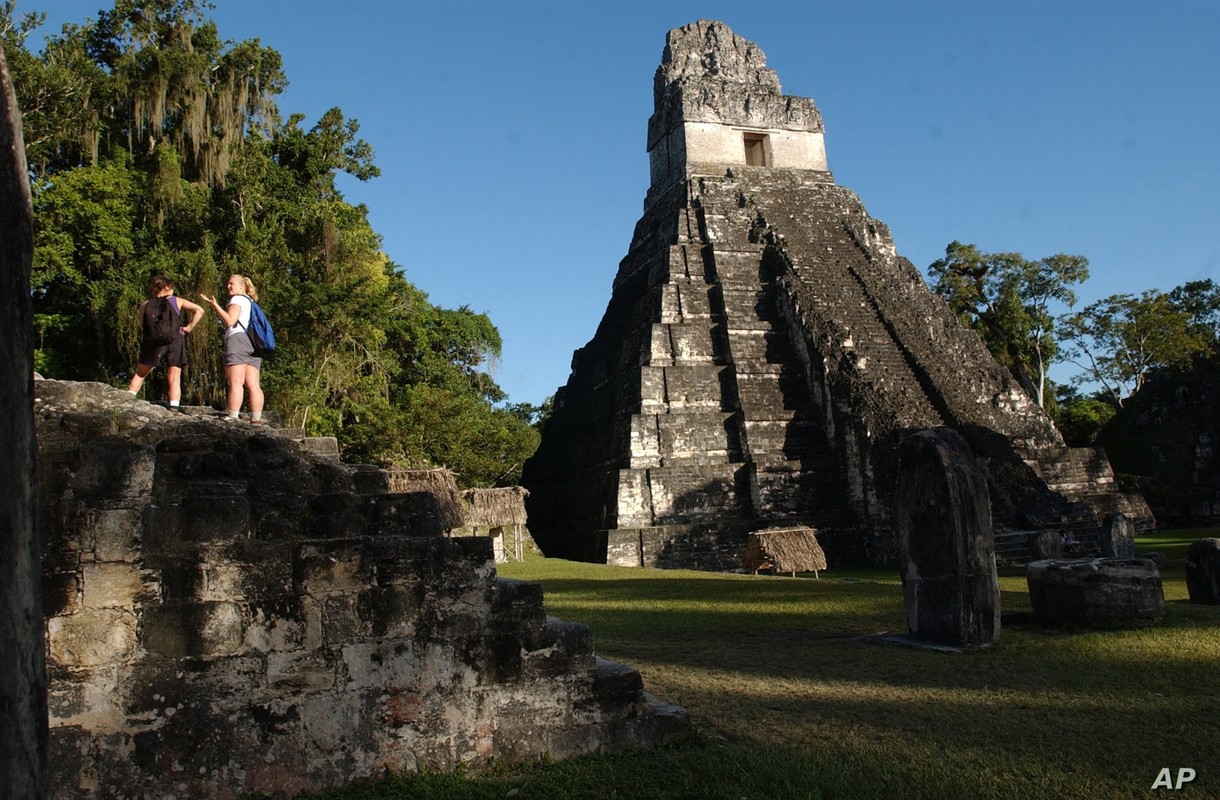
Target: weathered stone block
(624, 548)
(113, 534)
(645, 443)
(402, 560)
(737, 267)
(198, 630)
(325, 567)
(692, 387)
(115, 585)
(277, 625)
(652, 389)
(1046, 545)
(715, 547)
(60, 592)
(342, 620)
(517, 607)
(392, 611)
(616, 684)
(1096, 591)
(91, 637)
(567, 647)
(376, 664)
(341, 515)
(300, 672)
(198, 521)
(67, 695)
(114, 471)
(696, 436)
(691, 343)
(784, 490)
(694, 493)
(1203, 572)
(264, 570)
(1118, 537)
(280, 517)
(635, 500)
(410, 514)
(91, 695)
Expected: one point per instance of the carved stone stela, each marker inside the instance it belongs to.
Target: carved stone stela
(765, 350)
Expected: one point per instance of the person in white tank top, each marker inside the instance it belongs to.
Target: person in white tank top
(241, 365)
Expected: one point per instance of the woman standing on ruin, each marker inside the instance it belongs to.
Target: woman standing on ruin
(173, 351)
(241, 365)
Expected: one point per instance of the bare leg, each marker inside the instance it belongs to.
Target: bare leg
(137, 380)
(235, 374)
(174, 374)
(256, 392)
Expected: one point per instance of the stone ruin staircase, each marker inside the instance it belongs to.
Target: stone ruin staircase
(726, 434)
(833, 293)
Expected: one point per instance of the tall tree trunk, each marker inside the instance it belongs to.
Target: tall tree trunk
(23, 688)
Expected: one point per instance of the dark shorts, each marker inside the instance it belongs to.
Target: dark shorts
(238, 350)
(174, 353)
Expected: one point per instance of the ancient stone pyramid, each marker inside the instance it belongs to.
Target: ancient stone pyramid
(765, 350)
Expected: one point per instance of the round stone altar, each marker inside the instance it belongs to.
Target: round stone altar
(1101, 591)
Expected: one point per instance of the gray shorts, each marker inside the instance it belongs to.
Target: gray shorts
(238, 350)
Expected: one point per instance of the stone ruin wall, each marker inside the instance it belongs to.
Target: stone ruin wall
(229, 613)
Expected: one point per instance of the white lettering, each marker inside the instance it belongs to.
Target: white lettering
(1164, 779)
(1185, 775)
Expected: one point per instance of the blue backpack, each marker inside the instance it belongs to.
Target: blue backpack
(259, 331)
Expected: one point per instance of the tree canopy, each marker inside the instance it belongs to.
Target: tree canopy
(1119, 340)
(156, 147)
(1007, 299)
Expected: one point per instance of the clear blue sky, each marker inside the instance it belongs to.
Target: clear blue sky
(511, 135)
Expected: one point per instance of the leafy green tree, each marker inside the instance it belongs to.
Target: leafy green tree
(1007, 299)
(84, 267)
(1119, 340)
(534, 415)
(158, 148)
(1200, 300)
(58, 92)
(1081, 418)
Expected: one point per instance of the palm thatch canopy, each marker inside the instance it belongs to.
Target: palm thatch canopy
(789, 550)
(495, 508)
(438, 482)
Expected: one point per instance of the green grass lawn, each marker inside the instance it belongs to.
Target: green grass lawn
(793, 695)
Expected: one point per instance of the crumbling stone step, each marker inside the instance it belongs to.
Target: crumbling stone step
(702, 436)
(683, 344)
(685, 301)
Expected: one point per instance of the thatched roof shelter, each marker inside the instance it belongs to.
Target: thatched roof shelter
(790, 550)
(438, 482)
(495, 508)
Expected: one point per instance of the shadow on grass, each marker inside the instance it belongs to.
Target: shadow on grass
(792, 699)
(780, 663)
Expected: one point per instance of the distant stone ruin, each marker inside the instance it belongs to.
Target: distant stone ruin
(232, 610)
(1167, 438)
(764, 352)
